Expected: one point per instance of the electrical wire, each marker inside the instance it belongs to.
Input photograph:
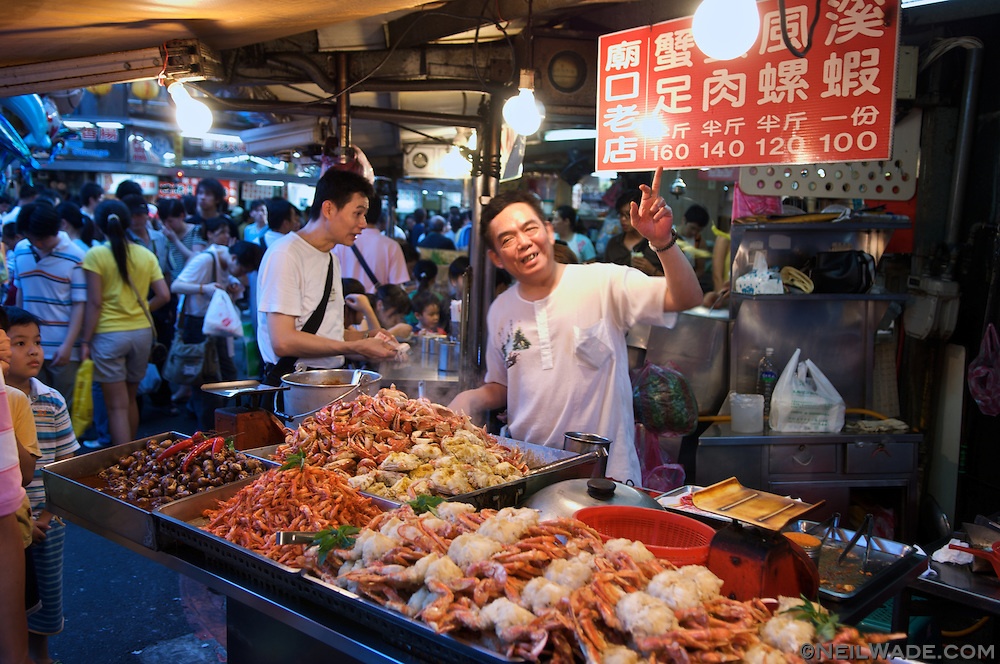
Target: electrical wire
(968, 630)
(783, 14)
(942, 46)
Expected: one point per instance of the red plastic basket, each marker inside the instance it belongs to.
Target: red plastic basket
(679, 539)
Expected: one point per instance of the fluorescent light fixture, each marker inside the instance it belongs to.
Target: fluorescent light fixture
(169, 155)
(178, 59)
(917, 3)
(554, 135)
(260, 161)
(284, 136)
(270, 183)
(77, 124)
(109, 125)
(725, 29)
(221, 138)
(522, 112)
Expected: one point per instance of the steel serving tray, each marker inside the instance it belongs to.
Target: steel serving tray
(679, 500)
(509, 494)
(411, 635)
(180, 522)
(73, 490)
(841, 582)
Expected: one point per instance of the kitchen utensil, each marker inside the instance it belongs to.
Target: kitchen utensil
(992, 554)
(866, 530)
(313, 389)
(449, 355)
(567, 497)
(674, 537)
(283, 537)
(582, 443)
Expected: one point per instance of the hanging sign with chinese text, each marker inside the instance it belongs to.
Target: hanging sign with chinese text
(662, 102)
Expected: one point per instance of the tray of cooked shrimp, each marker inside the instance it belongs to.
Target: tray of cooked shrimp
(399, 448)
(238, 527)
(525, 589)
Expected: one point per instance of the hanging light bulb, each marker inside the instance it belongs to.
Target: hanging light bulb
(523, 113)
(725, 29)
(193, 117)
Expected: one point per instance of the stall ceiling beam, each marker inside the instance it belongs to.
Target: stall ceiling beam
(180, 60)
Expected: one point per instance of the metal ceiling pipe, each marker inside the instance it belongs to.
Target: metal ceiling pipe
(966, 125)
(309, 66)
(427, 85)
(398, 115)
(343, 109)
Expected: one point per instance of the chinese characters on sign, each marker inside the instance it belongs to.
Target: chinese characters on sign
(662, 102)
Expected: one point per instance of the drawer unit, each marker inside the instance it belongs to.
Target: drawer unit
(866, 456)
(805, 458)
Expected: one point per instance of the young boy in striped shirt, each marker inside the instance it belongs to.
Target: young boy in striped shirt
(56, 441)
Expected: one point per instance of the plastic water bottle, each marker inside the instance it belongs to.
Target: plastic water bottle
(766, 378)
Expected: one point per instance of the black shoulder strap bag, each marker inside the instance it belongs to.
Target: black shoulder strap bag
(364, 266)
(285, 365)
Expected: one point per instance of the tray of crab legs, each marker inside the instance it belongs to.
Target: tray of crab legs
(519, 588)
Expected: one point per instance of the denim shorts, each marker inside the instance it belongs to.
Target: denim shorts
(121, 356)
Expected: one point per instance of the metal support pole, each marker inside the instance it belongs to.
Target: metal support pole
(480, 287)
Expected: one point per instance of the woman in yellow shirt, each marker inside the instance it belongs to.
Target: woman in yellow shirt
(117, 333)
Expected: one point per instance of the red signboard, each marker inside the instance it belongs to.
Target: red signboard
(662, 102)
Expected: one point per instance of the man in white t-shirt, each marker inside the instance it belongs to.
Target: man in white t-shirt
(293, 276)
(556, 354)
(383, 255)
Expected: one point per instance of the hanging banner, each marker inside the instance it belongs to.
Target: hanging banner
(662, 102)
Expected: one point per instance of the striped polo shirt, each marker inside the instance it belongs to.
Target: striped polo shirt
(49, 286)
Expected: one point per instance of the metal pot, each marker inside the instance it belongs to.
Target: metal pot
(566, 497)
(584, 443)
(311, 390)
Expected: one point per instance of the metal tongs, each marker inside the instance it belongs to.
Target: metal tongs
(866, 530)
(826, 527)
(283, 537)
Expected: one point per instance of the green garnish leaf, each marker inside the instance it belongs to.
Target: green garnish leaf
(425, 503)
(297, 460)
(826, 624)
(231, 444)
(334, 538)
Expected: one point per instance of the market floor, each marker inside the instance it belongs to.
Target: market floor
(122, 608)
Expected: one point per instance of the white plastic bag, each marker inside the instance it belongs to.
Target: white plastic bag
(805, 400)
(759, 280)
(222, 318)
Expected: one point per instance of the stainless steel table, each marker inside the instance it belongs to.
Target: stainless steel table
(955, 583)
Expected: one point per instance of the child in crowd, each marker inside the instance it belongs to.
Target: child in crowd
(56, 442)
(358, 312)
(27, 452)
(391, 306)
(427, 309)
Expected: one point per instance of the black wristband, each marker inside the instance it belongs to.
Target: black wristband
(673, 241)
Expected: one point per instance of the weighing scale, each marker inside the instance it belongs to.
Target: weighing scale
(751, 555)
(250, 425)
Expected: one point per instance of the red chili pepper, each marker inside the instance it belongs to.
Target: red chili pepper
(195, 453)
(181, 445)
(217, 444)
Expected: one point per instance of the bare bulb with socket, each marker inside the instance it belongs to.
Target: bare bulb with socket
(725, 29)
(523, 113)
(193, 117)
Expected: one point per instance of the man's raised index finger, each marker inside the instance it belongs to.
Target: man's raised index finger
(656, 181)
